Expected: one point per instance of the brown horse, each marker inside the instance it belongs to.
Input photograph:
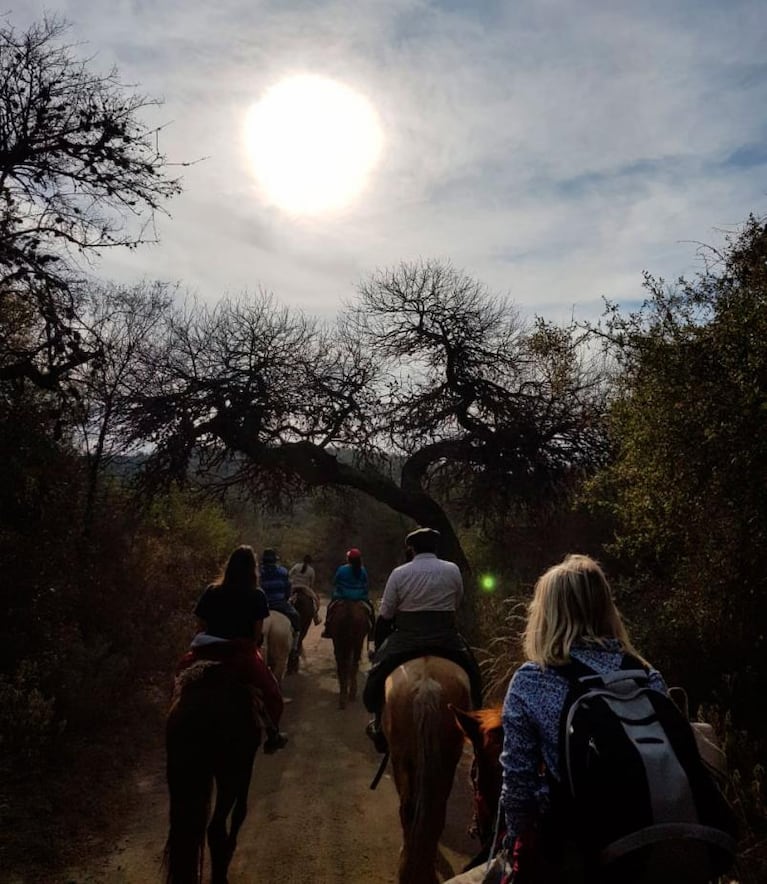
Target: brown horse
(212, 734)
(350, 628)
(425, 743)
(485, 731)
(305, 607)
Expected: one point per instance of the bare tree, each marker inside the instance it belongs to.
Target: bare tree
(427, 384)
(120, 325)
(79, 172)
(512, 406)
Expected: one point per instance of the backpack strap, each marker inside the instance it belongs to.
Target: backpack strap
(629, 661)
(583, 678)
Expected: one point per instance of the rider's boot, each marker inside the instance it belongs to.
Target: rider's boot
(373, 730)
(274, 740)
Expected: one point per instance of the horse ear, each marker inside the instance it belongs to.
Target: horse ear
(468, 723)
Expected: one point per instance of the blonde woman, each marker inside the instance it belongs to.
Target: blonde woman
(572, 617)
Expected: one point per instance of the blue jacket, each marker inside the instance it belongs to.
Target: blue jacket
(348, 585)
(275, 583)
(531, 719)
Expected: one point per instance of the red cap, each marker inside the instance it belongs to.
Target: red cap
(353, 553)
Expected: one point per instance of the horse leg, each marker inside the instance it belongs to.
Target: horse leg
(218, 840)
(190, 783)
(353, 670)
(343, 687)
(419, 849)
(240, 810)
(343, 680)
(415, 866)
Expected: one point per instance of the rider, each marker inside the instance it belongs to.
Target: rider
(302, 580)
(416, 617)
(275, 583)
(230, 616)
(350, 583)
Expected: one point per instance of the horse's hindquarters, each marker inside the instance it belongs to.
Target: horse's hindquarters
(426, 744)
(278, 638)
(350, 628)
(211, 734)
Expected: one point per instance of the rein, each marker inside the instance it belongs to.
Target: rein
(486, 814)
(380, 772)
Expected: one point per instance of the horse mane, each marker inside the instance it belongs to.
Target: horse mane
(480, 726)
(488, 719)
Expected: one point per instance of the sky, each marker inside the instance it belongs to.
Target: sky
(552, 149)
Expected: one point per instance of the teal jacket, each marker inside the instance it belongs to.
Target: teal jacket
(351, 586)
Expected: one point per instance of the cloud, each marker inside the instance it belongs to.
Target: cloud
(553, 150)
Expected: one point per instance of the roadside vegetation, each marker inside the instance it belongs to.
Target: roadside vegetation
(142, 438)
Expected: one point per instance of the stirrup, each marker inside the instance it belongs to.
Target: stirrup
(377, 736)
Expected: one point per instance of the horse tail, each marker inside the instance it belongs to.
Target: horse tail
(190, 783)
(429, 731)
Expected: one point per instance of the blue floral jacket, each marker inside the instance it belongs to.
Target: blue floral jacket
(531, 720)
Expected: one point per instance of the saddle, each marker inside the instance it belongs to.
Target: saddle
(330, 616)
(206, 657)
(385, 663)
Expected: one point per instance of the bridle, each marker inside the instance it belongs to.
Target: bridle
(484, 814)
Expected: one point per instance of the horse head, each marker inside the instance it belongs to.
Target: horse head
(483, 728)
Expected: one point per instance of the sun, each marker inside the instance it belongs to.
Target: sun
(312, 143)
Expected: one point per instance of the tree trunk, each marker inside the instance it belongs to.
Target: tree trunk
(316, 466)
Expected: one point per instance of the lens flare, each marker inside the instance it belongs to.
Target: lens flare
(487, 582)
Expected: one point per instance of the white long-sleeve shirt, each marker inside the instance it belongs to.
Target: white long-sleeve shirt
(299, 577)
(426, 583)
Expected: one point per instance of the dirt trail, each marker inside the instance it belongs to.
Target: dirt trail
(312, 816)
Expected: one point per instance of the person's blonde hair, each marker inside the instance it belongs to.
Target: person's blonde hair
(572, 602)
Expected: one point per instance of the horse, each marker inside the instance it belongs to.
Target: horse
(305, 607)
(425, 744)
(484, 730)
(278, 639)
(212, 735)
(350, 629)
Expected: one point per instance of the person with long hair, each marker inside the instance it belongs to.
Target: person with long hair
(301, 577)
(572, 617)
(350, 582)
(230, 615)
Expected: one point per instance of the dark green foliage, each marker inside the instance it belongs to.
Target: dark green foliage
(83, 621)
(687, 487)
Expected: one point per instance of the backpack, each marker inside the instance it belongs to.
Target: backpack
(645, 808)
